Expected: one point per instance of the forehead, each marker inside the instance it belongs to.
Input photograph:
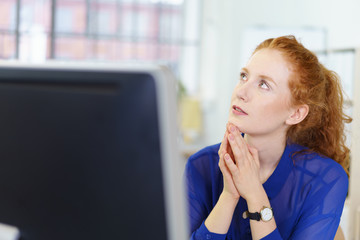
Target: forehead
(270, 63)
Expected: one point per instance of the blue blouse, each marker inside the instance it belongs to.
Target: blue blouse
(306, 191)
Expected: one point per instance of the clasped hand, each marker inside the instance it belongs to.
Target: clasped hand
(239, 164)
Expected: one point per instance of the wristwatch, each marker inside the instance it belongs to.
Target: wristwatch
(265, 214)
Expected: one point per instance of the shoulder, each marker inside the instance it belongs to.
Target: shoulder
(320, 171)
(317, 165)
(322, 184)
(204, 159)
(206, 151)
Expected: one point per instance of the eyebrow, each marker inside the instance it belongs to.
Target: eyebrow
(261, 76)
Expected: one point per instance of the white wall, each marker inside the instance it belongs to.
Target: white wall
(354, 192)
(219, 64)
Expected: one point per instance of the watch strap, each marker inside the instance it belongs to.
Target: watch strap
(254, 216)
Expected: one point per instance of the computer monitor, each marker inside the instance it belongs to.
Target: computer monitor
(90, 152)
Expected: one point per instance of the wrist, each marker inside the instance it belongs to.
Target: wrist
(265, 214)
(257, 200)
(228, 197)
(256, 195)
(220, 217)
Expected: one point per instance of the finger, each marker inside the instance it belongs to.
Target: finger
(238, 153)
(238, 136)
(231, 166)
(226, 143)
(239, 139)
(224, 169)
(228, 147)
(223, 150)
(223, 145)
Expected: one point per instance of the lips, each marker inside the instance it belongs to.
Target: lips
(238, 110)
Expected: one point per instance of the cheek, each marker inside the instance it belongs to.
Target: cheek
(278, 108)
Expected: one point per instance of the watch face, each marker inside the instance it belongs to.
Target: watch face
(266, 214)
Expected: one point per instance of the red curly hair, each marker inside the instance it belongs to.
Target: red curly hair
(313, 84)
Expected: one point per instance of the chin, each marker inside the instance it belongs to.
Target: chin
(237, 124)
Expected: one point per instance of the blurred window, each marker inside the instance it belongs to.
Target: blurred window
(7, 29)
(98, 30)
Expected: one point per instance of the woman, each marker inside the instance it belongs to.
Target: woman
(281, 170)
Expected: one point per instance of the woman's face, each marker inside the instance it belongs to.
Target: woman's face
(260, 103)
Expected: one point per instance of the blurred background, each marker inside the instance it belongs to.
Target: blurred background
(204, 42)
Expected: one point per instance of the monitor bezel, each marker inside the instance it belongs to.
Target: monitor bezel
(174, 191)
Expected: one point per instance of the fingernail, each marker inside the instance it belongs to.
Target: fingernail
(232, 129)
(227, 157)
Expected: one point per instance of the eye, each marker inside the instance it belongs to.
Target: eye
(243, 77)
(263, 84)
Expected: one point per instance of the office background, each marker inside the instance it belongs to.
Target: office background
(204, 42)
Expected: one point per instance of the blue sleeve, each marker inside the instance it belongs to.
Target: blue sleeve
(274, 235)
(322, 211)
(198, 200)
(203, 233)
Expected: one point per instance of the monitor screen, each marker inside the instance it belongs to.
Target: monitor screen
(89, 153)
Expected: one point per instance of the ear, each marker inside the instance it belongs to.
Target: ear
(298, 114)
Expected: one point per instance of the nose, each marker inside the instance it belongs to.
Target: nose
(243, 91)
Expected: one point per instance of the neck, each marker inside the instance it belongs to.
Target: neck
(270, 149)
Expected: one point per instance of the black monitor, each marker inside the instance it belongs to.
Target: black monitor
(89, 152)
